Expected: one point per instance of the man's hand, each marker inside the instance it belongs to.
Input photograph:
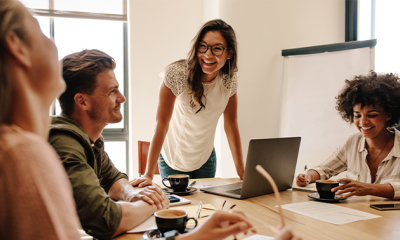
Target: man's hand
(286, 234)
(142, 181)
(219, 226)
(151, 195)
(353, 188)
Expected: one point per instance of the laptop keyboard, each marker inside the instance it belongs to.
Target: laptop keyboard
(235, 191)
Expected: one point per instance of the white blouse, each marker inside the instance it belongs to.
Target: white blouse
(351, 157)
(190, 137)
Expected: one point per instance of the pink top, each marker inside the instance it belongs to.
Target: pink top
(35, 194)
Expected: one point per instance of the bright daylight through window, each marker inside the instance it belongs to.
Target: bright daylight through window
(377, 20)
(75, 25)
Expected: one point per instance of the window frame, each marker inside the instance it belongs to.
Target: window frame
(109, 134)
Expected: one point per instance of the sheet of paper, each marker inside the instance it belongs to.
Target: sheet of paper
(259, 237)
(309, 188)
(149, 224)
(328, 212)
(192, 210)
(209, 183)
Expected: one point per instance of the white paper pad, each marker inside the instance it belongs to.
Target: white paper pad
(259, 237)
(309, 188)
(328, 212)
(149, 224)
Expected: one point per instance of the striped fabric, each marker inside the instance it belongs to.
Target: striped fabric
(351, 157)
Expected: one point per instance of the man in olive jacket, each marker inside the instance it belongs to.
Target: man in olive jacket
(91, 101)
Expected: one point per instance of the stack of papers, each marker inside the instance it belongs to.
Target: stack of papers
(328, 212)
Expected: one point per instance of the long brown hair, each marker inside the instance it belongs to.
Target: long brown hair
(11, 20)
(194, 70)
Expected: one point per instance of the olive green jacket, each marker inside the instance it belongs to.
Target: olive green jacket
(91, 173)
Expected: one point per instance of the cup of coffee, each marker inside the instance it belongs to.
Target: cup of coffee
(178, 182)
(172, 219)
(324, 188)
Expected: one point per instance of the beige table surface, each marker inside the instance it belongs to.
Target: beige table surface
(263, 213)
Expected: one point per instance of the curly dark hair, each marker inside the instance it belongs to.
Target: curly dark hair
(382, 90)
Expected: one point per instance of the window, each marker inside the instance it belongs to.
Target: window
(378, 21)
(75, 25)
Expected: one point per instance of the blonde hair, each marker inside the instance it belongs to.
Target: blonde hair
(11, 20)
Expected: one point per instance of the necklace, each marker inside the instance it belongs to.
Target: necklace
(381, 150)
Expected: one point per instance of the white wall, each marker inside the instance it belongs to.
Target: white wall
(161, 31)
(263, 29)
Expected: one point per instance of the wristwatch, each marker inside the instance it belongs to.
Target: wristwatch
(170, 235)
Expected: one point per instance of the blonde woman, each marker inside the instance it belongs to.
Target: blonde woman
(36, 196)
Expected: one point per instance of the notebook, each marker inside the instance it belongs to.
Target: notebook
(278, 156)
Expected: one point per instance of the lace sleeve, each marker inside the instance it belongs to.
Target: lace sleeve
(231, 84)
(174, 77)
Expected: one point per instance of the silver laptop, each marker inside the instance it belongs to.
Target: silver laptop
(278, 156)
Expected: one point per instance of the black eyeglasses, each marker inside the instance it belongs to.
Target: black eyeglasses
(217, 50)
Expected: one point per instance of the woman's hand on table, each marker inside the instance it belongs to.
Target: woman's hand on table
(286, 234)
(141, 181)
(219, 226)
(353, 188)
(240, 173)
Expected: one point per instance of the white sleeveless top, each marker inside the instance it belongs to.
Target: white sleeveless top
(190, 137)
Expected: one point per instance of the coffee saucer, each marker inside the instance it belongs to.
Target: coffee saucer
(188, 191)
(315, 196)
(152, 234)
(155, 234)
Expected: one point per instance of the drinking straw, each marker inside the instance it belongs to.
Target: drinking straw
(262, 171)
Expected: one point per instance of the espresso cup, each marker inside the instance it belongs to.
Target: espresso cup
(178, 182)
(172, 219)
(324, 188)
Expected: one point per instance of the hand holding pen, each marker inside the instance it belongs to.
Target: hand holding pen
(305, 175)
(302, 179)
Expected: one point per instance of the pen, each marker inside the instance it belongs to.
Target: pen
(193, 183)
(305, 174)
(223, 205)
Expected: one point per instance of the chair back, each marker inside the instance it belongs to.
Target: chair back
(143, 152)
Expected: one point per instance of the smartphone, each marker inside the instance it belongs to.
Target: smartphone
(385, 207)
(173, 199)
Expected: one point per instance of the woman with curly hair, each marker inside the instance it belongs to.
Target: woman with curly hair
(194, 93)
(372, 156)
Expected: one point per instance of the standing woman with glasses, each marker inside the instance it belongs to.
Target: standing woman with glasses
(193, 95)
